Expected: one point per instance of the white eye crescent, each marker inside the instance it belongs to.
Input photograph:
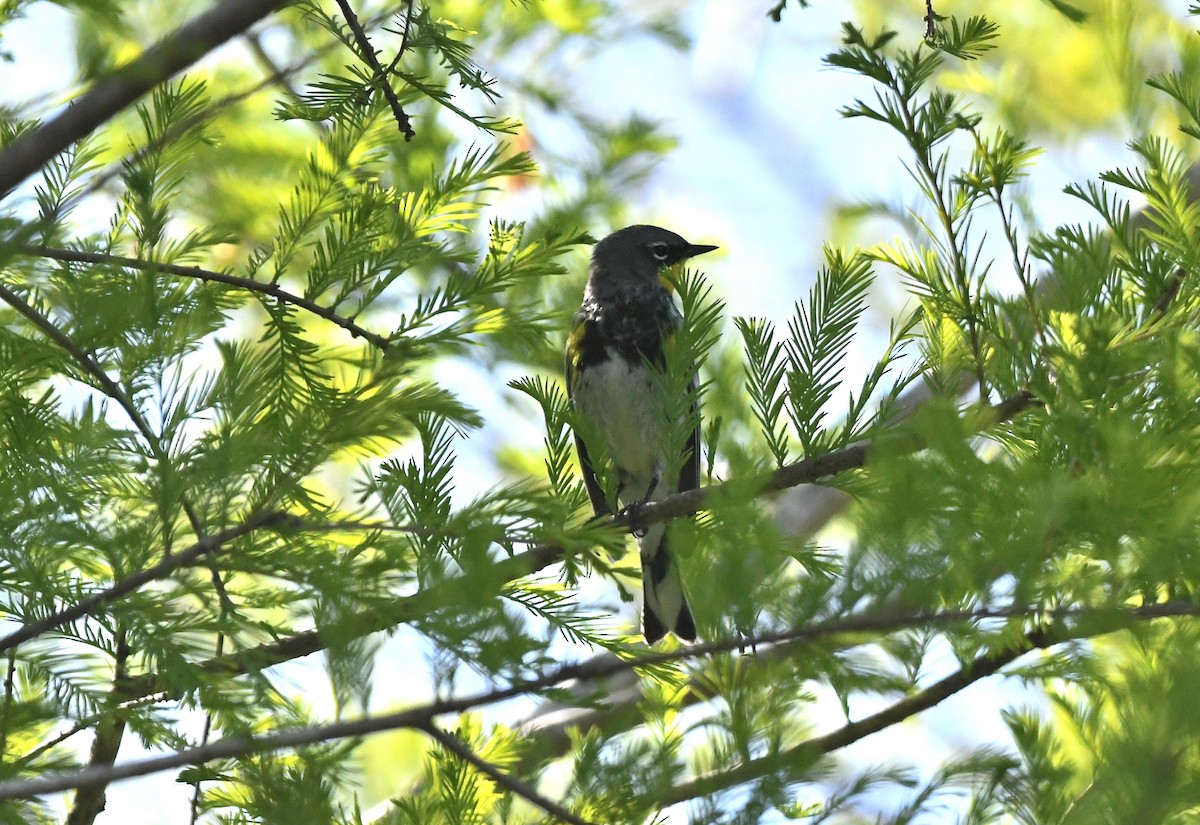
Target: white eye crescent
(660, 252)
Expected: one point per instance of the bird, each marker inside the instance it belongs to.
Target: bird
(618, 340)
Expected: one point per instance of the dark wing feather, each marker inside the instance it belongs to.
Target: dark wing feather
(594, 490)
(689, 474)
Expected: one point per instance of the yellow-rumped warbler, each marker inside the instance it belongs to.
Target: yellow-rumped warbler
(627, 319)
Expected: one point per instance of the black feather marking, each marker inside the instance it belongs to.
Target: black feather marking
(685, 625)
(595, 492)
(652, 628)
(660, 564)
(653, 574)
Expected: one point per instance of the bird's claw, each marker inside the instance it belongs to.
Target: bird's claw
(632, 515)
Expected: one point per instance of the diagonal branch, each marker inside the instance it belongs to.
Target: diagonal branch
(556, 725)
(408, 608)
(105, 384)
(83, 724)
(809, 470)
(408, 19)
(277, 75)
(1093, 621)
(368, 54)
(169, 564)
(504, 780)
(110, 95)
(236, 746)
(804, 754)
(101, 179)
(405, 609)
(249, 284)
(114, 391)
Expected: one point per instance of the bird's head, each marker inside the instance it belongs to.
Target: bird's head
(637, 255)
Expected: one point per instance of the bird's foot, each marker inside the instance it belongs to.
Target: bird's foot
(632, 515)
(746, 637)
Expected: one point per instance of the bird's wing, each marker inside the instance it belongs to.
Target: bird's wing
(689, 474)
(594, 490)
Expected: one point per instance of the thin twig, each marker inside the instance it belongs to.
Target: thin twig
(79, 727)
(1020, 257)
(368, 54)
(276, 75)
(504, 780)
(408, 18)
(129, 584)
(357, 625)
(929, 176)
(249, 284)
(1098, 621)
(89, 364)
(810, 470)
(175, 52)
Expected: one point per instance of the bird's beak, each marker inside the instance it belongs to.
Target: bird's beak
(694, 249)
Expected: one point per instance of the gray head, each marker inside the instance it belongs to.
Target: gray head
(636, 255)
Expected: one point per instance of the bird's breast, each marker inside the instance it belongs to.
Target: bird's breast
(618, 400)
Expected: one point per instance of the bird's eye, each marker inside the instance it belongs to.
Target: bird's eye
(660, 252)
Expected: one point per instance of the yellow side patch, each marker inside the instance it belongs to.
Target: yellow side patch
(668, 346)
(575, 344)
(668, 275)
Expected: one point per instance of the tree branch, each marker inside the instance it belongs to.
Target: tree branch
(804, 754)
(556, 726)
(90, 800)
(505, 780)
(194, 814)
(1098, 621)
(368, 54)
(249, 284)
(277, 75)
(9, 690)
(101, 179)
(168, 565)
(408, 608)
(404, 609)
(807, 471)
(105, 384)
(109, 96)
(408, 18)
(54, 741)
(417, 718)
(78, 727)
(114, 391)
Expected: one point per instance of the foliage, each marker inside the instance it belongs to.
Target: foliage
(232, 436)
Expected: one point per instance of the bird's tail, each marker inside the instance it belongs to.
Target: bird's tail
(664, 604)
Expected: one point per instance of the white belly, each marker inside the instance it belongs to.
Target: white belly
(616, 400)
